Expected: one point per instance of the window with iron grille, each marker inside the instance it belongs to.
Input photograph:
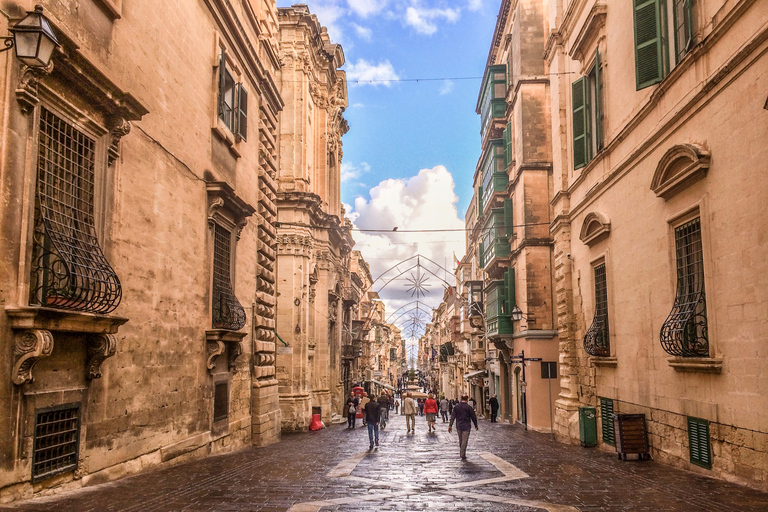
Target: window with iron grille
(698, 442)
(56, 441)
(596, 341)
(684, 332)
(68, 268)
(221, 401)
(606, 415)
(228, 313)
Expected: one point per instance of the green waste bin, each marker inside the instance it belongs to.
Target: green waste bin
(588, 426)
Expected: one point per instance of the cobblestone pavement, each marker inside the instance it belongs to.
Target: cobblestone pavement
(508, 469)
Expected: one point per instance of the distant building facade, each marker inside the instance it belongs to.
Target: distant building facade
(315, 292)
(138, 241)
(659, 131)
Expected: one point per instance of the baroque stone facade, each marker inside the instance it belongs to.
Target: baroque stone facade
(315, 294)
(138, 285)
(659, 192)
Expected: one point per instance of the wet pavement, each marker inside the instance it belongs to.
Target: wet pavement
(508, 469)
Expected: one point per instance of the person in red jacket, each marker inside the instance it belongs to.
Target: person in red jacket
(430, 409)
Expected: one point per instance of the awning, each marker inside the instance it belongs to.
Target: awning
(386, 386)
(469, 375)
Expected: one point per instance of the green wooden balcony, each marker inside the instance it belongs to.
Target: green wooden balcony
(500, 301)
(492, 104)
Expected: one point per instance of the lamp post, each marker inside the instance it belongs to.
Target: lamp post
(520, 358)
(33, 38)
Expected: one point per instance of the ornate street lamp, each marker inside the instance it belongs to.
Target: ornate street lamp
(33, 38)
(517, 314)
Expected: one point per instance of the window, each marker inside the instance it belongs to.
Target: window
(508, 148)
(698, 442)
(492, 96)
(606, 415)
(56, 442)
(596, 341)
(586, 94)
(220, 401)
(227, 311)
(684, 332)
(656, 23)
(68, 268)
(232, 101)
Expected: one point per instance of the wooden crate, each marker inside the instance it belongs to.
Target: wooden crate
(631, 435)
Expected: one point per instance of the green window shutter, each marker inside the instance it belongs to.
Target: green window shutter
(508, 145)
(649, 46)
(606, 414)
(242, 112)
(480, 261)
(580, 142)
(509, 286)
(508, 219)
(698, 442)
(480, 201)
(598, 103)
(222, 80)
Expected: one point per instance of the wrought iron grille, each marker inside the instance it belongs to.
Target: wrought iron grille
(684, 332)
(56, 442)
(227, 311)
(597, 341)
(69, 270)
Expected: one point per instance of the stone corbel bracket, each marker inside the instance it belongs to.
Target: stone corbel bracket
(217, 340)
(26, 91)
(30, 346)
(100, 347)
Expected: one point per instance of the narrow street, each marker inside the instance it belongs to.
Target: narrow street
(507, 469)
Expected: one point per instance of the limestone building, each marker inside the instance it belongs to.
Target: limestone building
(315, 295)
(659, 128)
(138, 240)
(510, 240)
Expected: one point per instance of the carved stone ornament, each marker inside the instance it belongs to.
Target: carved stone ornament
(217, 340)
(26, 91)
(120, 128)
(100, 347)
(596, 227)
(214, 348)
(680, 167)
(30, 346)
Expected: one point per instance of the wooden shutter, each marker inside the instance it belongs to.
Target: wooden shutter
(480, 201)
(222, 80)
(649, 57)
(509, 290)
(508, 145)
(242, 112)
(606, 415)
(580, 142)
(598, 103)
(508, 219)
(698, 441)
(480, 251)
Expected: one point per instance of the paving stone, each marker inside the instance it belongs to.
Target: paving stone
(508, 469)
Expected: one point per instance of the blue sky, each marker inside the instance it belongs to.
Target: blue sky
(412, 147)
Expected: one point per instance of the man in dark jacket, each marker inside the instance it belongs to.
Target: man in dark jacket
(494, 403)
(464, 415)
(372, 413)
(384, 404)
(351, 406)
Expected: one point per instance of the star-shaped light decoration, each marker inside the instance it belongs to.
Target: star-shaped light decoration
(419, 284)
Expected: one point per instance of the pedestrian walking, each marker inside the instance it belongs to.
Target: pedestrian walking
(372, 417)
(464, 416)
(421, 407)
(397, 405)
(472, 404)
(384, 404)
(494, 403)
(444, 405)
(363, 402)
(430, 409)
(451, 403)
(409, 409)
(351, 405)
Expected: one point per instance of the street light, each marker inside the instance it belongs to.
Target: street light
(33, 38)
(517, 314)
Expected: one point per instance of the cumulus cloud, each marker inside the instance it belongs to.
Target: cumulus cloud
(351, 172)
(363, 33)
(365, 8)
(474, 5)
(424, 20)
(364, 72)
(329, 13)
(447, 87)
(423, 202)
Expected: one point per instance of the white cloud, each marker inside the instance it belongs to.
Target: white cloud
(365, 8)
(474, 5)
(423, 202)
(351, 172)
(363, 72)
(328, 13)
(447, 87)
(363, 33)
(423, 20)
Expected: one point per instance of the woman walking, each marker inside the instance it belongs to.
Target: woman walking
(430, 409)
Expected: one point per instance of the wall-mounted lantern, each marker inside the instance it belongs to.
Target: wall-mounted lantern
(33, 38)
